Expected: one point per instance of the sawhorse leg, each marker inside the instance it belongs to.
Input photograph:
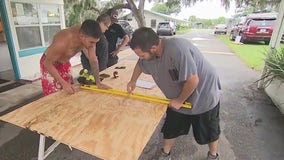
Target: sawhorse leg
(42, 154)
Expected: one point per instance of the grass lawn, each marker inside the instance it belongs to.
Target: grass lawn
(252, 54)
(182, 31)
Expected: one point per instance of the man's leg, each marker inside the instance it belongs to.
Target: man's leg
(175, 125)
(168, 143)
(206, 130)
(213, 148)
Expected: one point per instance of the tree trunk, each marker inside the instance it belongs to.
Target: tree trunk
(138, 13)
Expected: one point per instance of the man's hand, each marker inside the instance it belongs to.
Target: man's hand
(130, 86)
(114, 53)
(175, 103)
(103, 86)
(68, 88)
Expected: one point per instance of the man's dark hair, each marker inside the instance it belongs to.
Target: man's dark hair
(144, 38)
(110, 11)
(104, 18)
(91, 28)
(113, 13)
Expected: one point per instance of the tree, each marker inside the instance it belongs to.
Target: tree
(138, 12)
(207, 23)
(256, 4)
(163, 8)
(137, 6)
(76, 11)
(220, 20)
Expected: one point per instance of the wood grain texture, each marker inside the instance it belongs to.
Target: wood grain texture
(104, 125)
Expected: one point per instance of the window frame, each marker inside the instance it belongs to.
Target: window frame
(40, 24)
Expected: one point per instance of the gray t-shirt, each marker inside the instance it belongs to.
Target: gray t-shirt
(181, 59)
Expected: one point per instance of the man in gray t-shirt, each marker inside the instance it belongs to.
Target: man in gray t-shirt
(183, 75)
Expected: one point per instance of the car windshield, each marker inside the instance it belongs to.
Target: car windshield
(261, 22)
(123, 24)
(163, 25)
(221, 26)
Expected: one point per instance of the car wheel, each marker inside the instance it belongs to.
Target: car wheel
(266, 42)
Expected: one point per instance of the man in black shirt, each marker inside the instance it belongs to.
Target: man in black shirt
(114, 32)
(101, 46)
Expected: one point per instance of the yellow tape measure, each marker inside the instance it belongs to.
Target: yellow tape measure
(133, 95)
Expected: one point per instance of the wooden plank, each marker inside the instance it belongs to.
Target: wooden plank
(108, 126)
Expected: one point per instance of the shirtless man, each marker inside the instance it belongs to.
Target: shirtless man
(54, 64)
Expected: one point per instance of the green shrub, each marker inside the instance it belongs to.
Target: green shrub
(275, 65)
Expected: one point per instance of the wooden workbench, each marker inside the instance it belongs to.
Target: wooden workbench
(104, 125)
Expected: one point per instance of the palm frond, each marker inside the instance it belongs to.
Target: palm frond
(274, 63)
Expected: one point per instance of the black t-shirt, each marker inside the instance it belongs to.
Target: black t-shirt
(114, 32)
(102, 54)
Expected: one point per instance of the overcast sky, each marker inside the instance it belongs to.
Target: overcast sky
(208, 9)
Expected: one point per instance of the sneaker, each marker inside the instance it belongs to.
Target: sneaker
(90, 80)
(83, 74)
(212, 157)
(164, 156)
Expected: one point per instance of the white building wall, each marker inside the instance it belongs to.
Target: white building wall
(29, 64)
(29, 67)
(148, 17)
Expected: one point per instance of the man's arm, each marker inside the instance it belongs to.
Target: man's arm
(123, 43)
(121, 46)
(53, 54)
(135, 75)
(93, 60)
(188, 88)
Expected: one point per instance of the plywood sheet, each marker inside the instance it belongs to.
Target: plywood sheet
(104, 125)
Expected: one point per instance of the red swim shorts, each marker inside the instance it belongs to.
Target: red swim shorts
(51, 85)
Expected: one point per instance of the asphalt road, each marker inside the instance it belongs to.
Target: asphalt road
(252, 127)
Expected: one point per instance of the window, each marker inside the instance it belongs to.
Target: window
(28, 37)
(262, 22)
(36, 24)
(24, 13)
(153, 23)
(49, 32)
(50, 19)
(50, 14)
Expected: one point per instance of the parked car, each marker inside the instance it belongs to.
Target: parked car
(256, 27)
(166, 28)
(220, 29)
(127, 28)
